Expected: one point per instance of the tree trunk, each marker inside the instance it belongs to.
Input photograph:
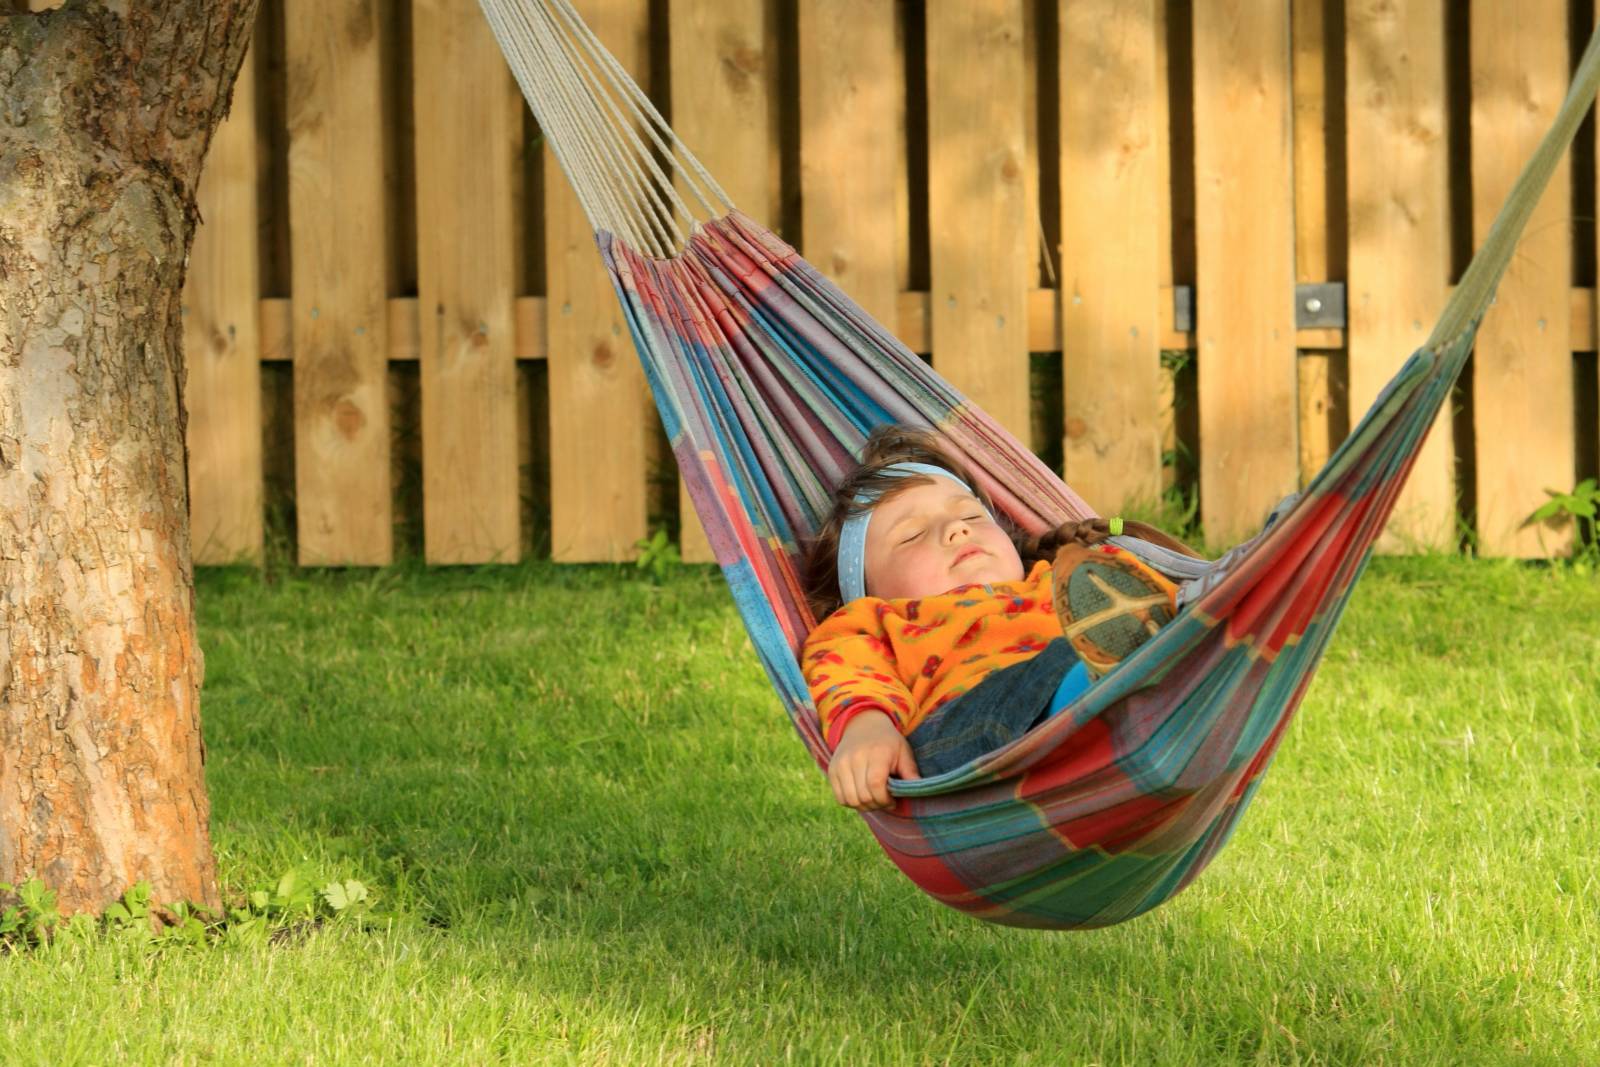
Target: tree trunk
(106, 110)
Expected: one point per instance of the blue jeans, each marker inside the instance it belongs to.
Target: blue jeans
(999, 709)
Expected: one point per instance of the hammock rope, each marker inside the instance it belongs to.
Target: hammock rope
(592, 113)
(768, 379)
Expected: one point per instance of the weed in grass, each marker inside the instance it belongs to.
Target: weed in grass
(1581, 507)
(658, 556)
(28, 922)
(288, 910)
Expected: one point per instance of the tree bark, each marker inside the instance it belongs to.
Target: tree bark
(106, 110)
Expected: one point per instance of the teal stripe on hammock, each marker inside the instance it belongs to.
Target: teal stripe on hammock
(1193, 732)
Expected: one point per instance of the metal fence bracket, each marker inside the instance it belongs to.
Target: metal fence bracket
(1317, 306)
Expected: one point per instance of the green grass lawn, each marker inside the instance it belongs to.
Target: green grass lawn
(594, 838)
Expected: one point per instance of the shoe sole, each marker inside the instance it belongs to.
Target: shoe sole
(1109, 606)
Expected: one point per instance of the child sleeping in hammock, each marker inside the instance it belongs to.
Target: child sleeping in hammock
(945, 634)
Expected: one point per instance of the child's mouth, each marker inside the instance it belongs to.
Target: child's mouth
(966, 554)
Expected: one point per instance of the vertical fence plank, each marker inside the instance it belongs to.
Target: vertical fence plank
(1245, 263)
(721, 92)
(338, 256)
(222, 343)
(850, 94)
(1110, 252)
(1522, 366)
(1398, 166)
(1309, 34)
(600, 413)
(722, 85)
(981, 242)
(466, 144)
(1310, 42)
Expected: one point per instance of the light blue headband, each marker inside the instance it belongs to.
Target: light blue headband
(853, 535)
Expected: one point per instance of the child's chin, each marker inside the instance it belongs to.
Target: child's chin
(985, 576)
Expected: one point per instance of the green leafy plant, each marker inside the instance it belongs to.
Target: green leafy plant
(1581, 506)
(292, 907)
(136, 917)
(130, 916)
(345, 897)
(28, 922)
(295, 906)
(658, 556)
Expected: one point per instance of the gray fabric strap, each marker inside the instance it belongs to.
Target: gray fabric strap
(1174, 565)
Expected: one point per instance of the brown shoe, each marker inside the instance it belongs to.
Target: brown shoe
(1109, 603)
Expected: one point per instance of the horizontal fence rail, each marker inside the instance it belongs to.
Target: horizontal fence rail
(1177, 246)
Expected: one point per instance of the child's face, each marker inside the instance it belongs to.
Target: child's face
(929, 539)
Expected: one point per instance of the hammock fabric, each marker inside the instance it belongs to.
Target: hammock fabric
(768, 380)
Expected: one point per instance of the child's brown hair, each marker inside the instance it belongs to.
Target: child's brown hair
(893, 444)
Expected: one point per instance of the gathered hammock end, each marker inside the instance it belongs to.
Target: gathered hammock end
(768, 379)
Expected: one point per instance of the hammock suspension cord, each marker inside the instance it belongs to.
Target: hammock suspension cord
(591, 112)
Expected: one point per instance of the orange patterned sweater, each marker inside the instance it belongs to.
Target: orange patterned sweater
(908, 657)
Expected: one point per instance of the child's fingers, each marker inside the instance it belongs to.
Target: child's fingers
(864, 798)
(876, 781)
(861, 782)
(907, 763)
(858, 791)
(844, 786)
(851, 783)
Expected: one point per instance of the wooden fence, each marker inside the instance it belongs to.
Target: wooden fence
(393, 275)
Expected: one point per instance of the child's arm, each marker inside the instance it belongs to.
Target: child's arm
(871, 749)
(862, 705)
(850, 670)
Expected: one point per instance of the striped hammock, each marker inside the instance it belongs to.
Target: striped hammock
(769, 379)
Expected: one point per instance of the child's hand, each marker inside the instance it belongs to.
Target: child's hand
(870, 750)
